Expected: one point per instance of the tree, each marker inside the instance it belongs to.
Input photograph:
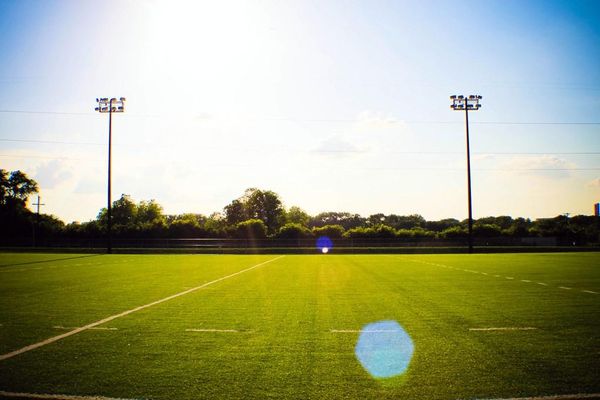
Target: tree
(123, 213)
(187, 225)
(455, 232)
(15, 188)
(404, 221)
(442, 224)
(264, 205)
(486, 230)
(293, 231)
(331, 231)
(16, 221)
(296, 215)
(344, 219)
(251, 229)
(150, 212)
(235, 212)
(216, 224)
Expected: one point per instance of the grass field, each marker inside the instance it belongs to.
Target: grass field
(288, 328)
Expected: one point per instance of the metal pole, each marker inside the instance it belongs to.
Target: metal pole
(469, 180)
(109, 205)
(36, 226)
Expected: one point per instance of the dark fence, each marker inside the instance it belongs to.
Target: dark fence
(341, 245)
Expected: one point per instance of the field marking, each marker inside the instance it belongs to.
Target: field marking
(55, 396)
(214, 330)
(553, 397)
(498, 276)
(98, 328)
(124, 313)
(506, 328)
(49, 261)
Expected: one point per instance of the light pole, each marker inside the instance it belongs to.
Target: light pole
(460, 103)
(37, 218)
(110, 106)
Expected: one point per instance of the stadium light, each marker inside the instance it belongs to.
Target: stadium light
(466, 103)
(110, 106)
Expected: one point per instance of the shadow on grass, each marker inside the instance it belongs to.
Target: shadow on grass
(51, 260)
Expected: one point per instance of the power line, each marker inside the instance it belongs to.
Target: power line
(26, 156)
(44, 112)
(50, 142)
(539, 153)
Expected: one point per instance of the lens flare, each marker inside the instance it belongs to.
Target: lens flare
(384, 349)
(324, 244)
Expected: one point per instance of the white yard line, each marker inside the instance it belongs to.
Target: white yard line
(55, 396)
(98, 328)
(498, 276)
(553, 397)
(213, 330)
(124, 313)
(506, 328)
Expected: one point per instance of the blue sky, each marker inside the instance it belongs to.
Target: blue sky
(334, 105)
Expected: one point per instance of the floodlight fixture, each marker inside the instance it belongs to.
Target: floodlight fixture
(110, 106)
(466, 103)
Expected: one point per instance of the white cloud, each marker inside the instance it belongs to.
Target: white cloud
(544, 165)
(53, 173)
(337, 146)
(595, 183)
(377, 119)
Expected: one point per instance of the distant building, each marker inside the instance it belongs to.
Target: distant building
(597, 209)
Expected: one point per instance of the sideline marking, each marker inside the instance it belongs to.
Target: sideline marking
(553, 397)
(507, 328)
(509, 277)
(55, 396)
(589, 291)
(564, 287)
(124, 313)
(542, 283)
(98, 328)
(525, 280)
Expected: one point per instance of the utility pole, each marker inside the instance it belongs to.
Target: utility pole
(37, 218)
(110, 106)
(460, 103)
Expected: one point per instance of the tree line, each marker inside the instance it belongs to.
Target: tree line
(260, 214)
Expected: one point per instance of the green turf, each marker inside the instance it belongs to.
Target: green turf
(284, 311)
